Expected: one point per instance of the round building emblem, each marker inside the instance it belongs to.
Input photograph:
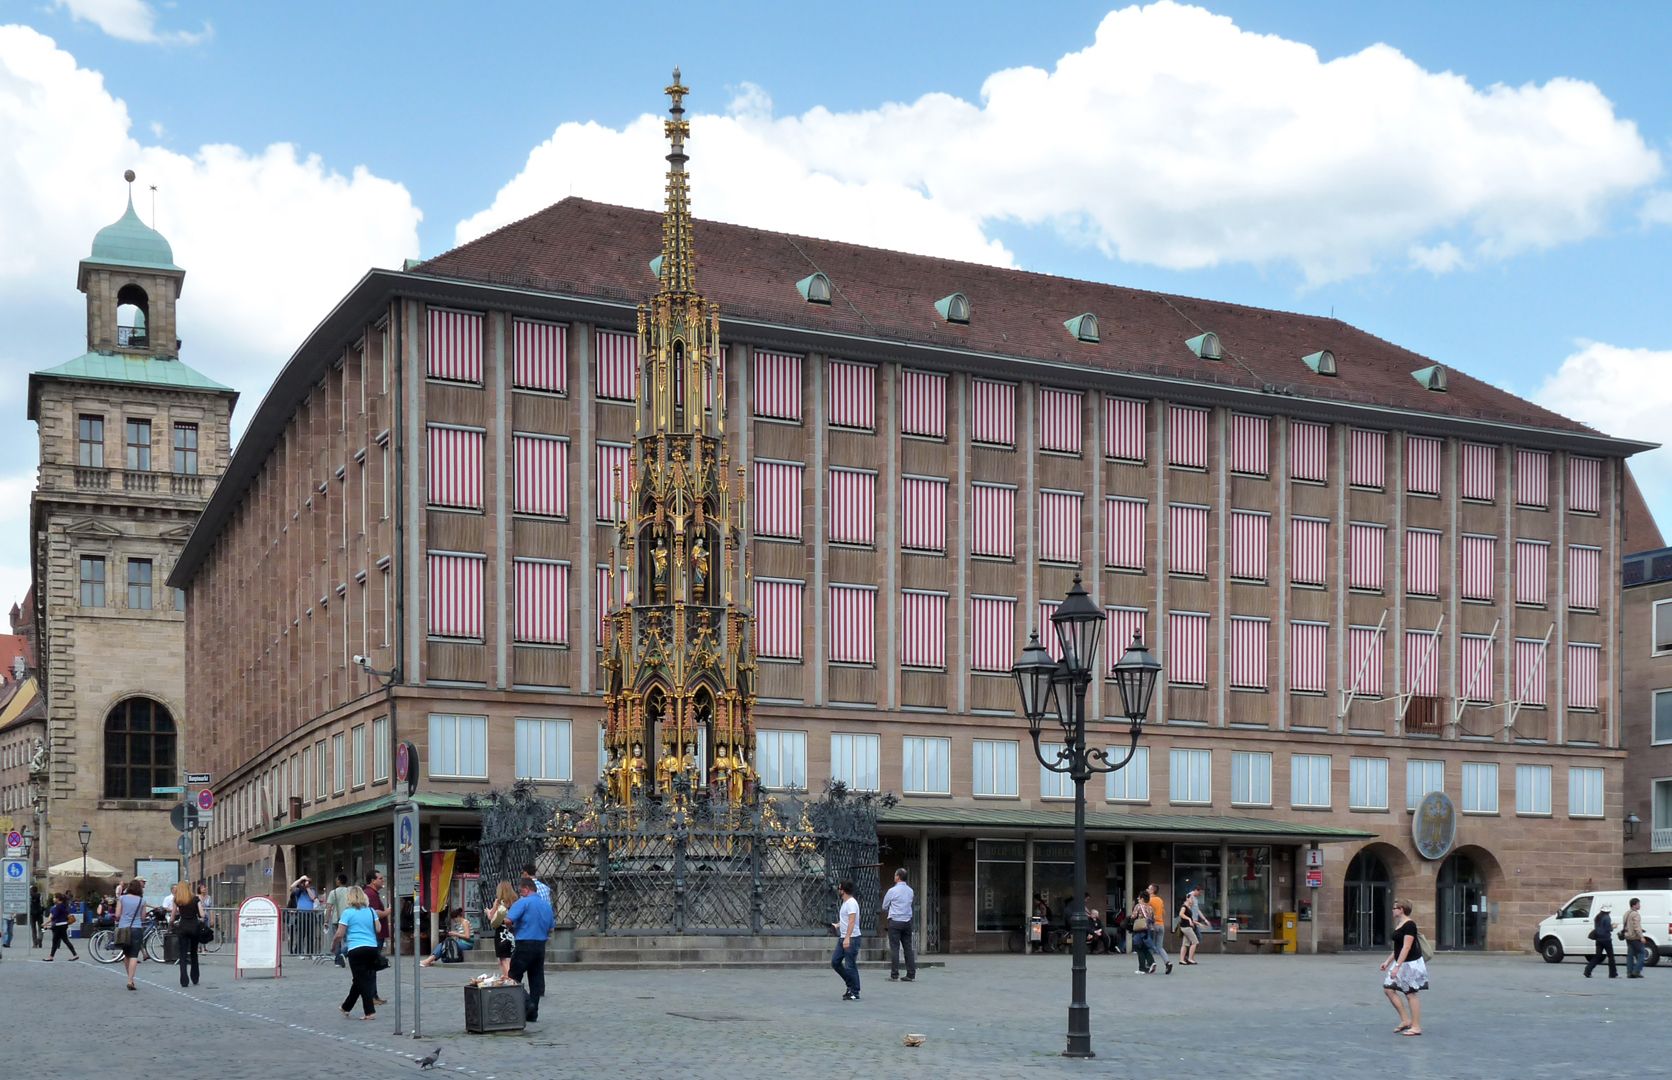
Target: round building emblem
(1434, 826)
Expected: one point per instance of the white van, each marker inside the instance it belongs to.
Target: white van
(1567, 933)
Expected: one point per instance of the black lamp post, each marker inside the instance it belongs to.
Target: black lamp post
(1058, 690)
(86, 835)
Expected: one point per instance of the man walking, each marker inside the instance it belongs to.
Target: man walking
(335, 901)
(845, 959)
(1158, 926)
(1632, 930)
(531, 920)
(897, 911)
(37, 913)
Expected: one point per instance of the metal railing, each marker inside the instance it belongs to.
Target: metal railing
(1660, 840)
(305, 933)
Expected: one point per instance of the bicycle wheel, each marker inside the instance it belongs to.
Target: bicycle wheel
(213, 946)
(154, 945)
(103, 948)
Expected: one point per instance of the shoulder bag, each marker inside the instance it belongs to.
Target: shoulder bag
(1140, 921)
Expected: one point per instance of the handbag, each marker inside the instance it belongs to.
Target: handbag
(380, 962)
(204, 933)
(124, 936)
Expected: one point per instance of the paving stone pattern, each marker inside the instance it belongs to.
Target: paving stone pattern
(1247, 1017)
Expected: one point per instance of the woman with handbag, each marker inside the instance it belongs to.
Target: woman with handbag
(1407, 970)
(1139, 924)
(59, 918)
(187, 922)
(357, 934)
(504, 938)
(130, 926)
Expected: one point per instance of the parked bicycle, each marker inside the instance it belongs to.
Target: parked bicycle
(104, 949)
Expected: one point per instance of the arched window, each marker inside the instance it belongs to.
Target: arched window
(133, 316)
(139, 749)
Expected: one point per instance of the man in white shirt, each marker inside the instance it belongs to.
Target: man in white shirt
(897, 913)
(845, 960)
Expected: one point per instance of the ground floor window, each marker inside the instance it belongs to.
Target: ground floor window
(1196, 867)
(1053, 876)
(1250, 882)
(1001, 872)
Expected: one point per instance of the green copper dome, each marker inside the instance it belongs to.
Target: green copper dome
(131, 242)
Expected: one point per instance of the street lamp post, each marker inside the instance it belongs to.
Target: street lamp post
(1058, 689)
(86, 835)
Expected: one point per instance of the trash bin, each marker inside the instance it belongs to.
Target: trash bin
(494, 1008)
(1231, 928)
(1289, 931)
(171, 948)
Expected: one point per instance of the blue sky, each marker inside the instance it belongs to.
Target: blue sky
(1486, 183)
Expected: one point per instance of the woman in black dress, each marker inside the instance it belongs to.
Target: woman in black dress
(1407, 970)
(187, 919)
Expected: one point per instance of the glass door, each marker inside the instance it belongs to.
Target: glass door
(1368, 903)
(1461, 905)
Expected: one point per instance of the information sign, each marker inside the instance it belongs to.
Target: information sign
(1314, 857)
(407, 848)
(1314, 879)
(14, 887)
(257, 944)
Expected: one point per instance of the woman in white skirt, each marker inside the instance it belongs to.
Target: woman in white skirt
(1406, 971)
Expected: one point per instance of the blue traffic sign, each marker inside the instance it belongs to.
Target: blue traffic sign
(14, 869)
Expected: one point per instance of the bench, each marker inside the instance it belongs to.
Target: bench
(1275, 944)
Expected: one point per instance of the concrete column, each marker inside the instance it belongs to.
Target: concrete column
(1027, 891)
(1224, 891)
(920, 920)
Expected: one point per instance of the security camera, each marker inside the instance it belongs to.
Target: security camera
(362, 661)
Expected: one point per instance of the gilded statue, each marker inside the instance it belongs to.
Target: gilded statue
(632, 773)
(699, 571)
(670, 766)
(659, 580)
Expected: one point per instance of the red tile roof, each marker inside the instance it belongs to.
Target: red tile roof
(596, 250)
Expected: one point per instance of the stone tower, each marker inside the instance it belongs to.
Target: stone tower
(131, 444)
(678, 658)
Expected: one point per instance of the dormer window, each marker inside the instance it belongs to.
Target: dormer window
(1206, 346)
(814, 288)
(133, 312)
(954, 308)
(1432, 378)
(1322, 362)
(1083, 327)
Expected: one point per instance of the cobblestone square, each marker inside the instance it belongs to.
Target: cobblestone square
(1248, 1017)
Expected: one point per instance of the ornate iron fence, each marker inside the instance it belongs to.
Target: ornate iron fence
(691, 865)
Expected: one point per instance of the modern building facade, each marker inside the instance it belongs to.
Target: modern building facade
(1368, 576)
(1646, 716)
(131, 442)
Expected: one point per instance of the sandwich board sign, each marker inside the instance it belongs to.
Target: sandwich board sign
(257, 944)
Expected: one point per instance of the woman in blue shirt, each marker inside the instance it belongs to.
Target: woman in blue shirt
(357, 933)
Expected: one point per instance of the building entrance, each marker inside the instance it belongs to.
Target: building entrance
(1460, 905)
(1369, 902)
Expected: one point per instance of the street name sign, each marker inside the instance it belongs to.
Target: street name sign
(197, 778)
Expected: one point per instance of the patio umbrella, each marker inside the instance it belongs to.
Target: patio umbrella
(73, 868)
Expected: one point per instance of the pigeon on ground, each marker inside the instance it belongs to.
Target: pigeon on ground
(429, 1060)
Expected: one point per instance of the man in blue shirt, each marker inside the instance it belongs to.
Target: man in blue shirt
(531, 920)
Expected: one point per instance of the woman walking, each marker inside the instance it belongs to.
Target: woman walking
(58, 917)
(504, 938)
(1407, 970)
(844, 959)
(130, 926)
(357, 933)
(1187, 929)
(187, 921)
(1139, 922)
(1602, 932)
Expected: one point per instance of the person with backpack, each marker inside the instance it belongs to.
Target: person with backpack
(1139, 924)
(335, 902)
(1406, 970)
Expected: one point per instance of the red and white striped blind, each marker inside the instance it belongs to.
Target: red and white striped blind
(1584, 577)
(1123, 623)
(1584, 484)
(1367, 459)
(1584, 664)
(539, 356)
(1422, 465)
(1480, 566)
(1187, 436)
(1187, 642)
(541, 473)
(923, 404)
(1532, 572)
(615, 475)
(1249, 638)
(1364, 659)
(454, 349)
(1366, 555)
(1250, 541)
(1532, 478)
(778, 499)
(1479, 469)
(1310, 564)
(454, 466)
(923, 629)
(777, 386)
(853, 506)
(1060, 420)
(1124, 430)
(618, 366)
(1187, 539)
(992, 412)
(1474, 677)
(778, 619)
(455, 595)
(1308, 451)
(992, 633)
(1422, 562)
(542, 590)
(923, 523)
(1309, 659)
(1124, 532)
(1530, 679)
(1422, 663)
(853, 624)
(993, 520)
(602, 597)
(853, 395)
(1250, 444)
(1047, 631)
(1059, 527)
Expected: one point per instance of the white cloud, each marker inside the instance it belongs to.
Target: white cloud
(1174, 138)
(14, 527)
(130, 20)
(1441, 258)
(1656, 209)
(1625, 392)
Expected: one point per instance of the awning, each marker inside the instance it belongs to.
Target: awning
(1008, 820)
(364, 815)
(73, 868)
